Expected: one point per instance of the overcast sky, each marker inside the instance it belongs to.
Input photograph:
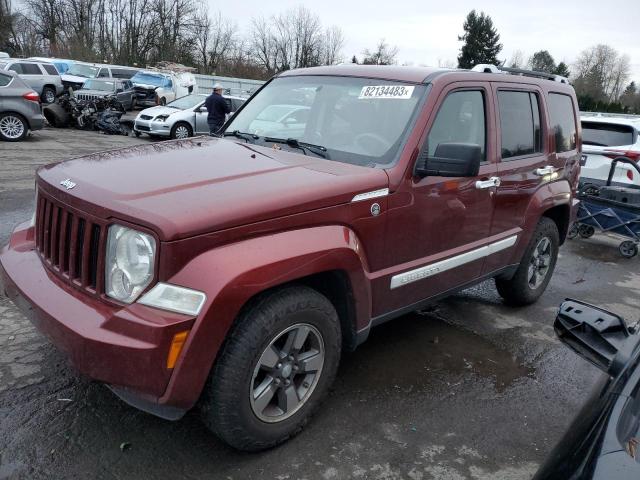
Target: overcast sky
(426, 31)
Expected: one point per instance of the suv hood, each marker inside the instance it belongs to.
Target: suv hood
(200, 185)
(98, 93)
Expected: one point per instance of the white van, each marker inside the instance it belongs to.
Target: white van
(159, 87)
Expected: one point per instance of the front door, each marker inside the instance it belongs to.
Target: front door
(439, 227)
(202, 127)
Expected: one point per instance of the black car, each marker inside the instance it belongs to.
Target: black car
(603, 442)
(95, 88)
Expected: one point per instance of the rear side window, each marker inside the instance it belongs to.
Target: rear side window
(30, 69)
(50, 69)
(4, 80)
(563, 121)
(461, 119)
(607, 134)
(104, 73)
(519, 124)
(122, 73)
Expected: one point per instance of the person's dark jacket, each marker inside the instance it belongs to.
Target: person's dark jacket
(217, 108)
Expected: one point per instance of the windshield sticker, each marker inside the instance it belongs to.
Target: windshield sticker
(386, 91)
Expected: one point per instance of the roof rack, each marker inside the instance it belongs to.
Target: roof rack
(488, 68)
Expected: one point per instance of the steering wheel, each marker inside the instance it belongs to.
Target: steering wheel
(364, 140)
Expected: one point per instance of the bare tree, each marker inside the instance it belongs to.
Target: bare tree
(332, 45)
(601, 73)
(517, 60)
(384, 54)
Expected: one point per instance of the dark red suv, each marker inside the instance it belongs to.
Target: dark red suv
(231, 272)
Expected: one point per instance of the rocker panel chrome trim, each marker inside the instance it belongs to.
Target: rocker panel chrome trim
(427, 271)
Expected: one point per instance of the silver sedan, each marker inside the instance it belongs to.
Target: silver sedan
(182, 118)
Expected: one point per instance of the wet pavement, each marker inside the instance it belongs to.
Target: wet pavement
(468, 389)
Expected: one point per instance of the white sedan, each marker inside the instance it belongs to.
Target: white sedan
(182, 118)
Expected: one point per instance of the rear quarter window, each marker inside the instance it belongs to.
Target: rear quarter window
(50, 69)
(607, 134)
(4, 80)
(563, 121)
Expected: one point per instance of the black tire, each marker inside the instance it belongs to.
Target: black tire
(56, 116)
(13, 127)
(573, 231)
(163, 101)
(226, 404)
(136, 133)
(586, 231)
(48, 95)
(518, 290)
(181, 127)
(628, 249)
(134, 104)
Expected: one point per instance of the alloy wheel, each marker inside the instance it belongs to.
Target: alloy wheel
(49, 96)
(182, 132)
(540, 262)
(11, 127)
(287, 372)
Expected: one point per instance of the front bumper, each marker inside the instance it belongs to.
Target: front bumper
(152, 127)
(122, 346)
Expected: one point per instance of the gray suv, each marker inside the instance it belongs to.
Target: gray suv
(41, 76)
(19, 108)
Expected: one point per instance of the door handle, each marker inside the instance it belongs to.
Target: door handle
(546, 170)
(492, 182)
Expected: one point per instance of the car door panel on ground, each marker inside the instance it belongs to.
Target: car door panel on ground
(449, 216)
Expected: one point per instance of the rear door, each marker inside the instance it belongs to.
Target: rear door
(524, 152)
(603, 141)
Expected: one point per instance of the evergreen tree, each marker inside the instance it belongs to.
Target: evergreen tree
(481, 41)
(542, 61)
(562, 69)
(354, 59)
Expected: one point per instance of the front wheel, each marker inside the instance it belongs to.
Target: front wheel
(277, 364)
(535, 268)
(181, 130)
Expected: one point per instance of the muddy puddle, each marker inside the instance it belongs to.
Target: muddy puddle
(417, 350)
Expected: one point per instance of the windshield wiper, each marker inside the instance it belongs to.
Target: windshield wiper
(304, 146)
(249, 137)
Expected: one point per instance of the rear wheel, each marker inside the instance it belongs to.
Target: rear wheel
(628, 249)
(536, 266)
(13, 127)
(274, 369)
(586, 231)
(181, 130)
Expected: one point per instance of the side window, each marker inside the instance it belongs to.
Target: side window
(104, 73)
(519, 123)
(4, 80)
(461, 119)
(31, 69)
(16, 67)
(50, 69)
(563, 121)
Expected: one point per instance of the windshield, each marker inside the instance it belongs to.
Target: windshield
(102, 85)
(149, 79)
(188, 101)
(82, 70)
(361, 121)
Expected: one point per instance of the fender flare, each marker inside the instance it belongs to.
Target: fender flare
(232, 274)
(551, 195)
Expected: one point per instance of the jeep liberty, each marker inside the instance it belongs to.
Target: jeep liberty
(229, 273)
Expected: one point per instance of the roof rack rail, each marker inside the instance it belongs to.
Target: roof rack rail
(488, 68)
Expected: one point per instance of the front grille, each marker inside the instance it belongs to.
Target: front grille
(71, 244)
(86, 97)
(146, 117)
(143, 128)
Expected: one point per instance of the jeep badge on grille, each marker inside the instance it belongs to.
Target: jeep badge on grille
(67, 183)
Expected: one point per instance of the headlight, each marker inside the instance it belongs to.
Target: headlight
(129, 263)
(161, 118)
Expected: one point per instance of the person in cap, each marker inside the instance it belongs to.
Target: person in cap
(218, 108)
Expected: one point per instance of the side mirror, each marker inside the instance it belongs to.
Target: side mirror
(598, 336)
(450, 160)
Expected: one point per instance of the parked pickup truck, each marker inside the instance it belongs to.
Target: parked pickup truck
(231, 272)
